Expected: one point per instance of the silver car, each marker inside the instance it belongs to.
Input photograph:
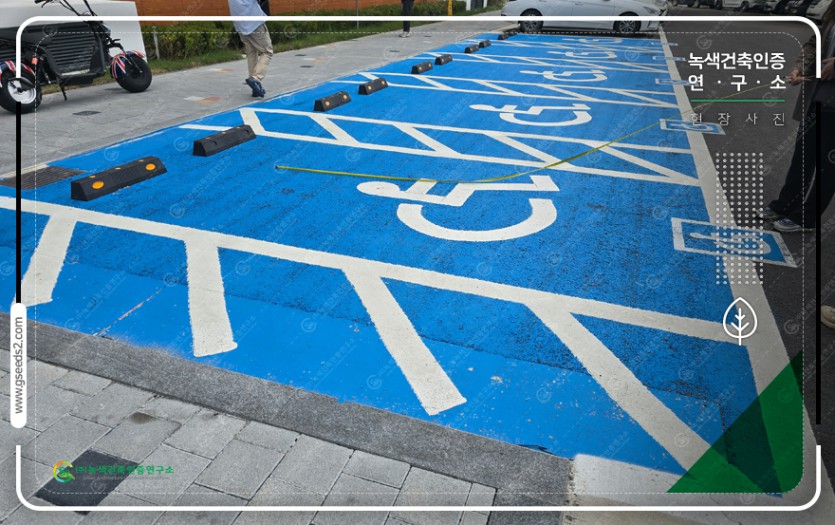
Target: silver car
(577, 8)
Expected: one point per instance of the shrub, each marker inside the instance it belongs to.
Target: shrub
(189, 39)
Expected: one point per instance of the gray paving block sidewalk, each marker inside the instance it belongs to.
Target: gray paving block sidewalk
(55, 130)
(215, 460)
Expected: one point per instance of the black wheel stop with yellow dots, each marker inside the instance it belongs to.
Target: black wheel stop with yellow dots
(443, 59)
(373, 86)
(208, 146)
(423, 67)
(108, 181)
(331, 101)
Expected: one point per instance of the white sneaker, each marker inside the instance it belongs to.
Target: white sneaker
(405, 34)
(787, 225)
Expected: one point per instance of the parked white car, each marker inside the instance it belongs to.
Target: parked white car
(817, 9)
(764, 6)
(572, 8)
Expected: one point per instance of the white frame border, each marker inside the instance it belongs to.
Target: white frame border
(562, 508)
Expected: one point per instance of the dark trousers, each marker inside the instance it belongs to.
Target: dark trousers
(407, 11)
(797, 200)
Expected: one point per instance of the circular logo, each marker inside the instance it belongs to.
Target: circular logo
(61, 472)
(290, 32)
(308, 325)
(181, 144)
(374, 382)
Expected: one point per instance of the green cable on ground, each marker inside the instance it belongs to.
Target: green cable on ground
(503, 177)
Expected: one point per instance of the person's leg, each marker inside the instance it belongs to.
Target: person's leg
(827, 182)
(822, 180)
(264, 52)
(827, 191)
(251, 53)
(793, 201)
(806, 213)
(407, 11)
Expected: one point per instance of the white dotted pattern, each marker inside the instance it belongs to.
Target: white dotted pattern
(741, 185)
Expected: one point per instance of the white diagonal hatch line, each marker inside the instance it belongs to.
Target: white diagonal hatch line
(678, 439)
(430, 383)
(47, 261)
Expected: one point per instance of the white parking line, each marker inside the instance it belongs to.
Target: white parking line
(47, 260)
(678, 439)
(426, 377)
(210, 326)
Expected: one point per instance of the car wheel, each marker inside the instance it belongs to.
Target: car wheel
(627, 27)
(533, 26)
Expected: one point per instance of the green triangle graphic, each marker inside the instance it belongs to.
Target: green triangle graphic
(762, 451)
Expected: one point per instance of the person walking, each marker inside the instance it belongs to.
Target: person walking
(407, 11)
(257, 42)
(795, 209)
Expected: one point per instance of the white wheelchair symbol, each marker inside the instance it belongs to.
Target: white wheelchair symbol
(570, 76)
(543, 212)
(745, 243)
(585, 54)
(508, 114)
(601, 40)
(698, 127)
(671, 82)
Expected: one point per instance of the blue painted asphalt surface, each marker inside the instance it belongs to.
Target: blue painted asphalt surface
(304, 326)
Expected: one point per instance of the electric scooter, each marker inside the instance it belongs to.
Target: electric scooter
(40, 66)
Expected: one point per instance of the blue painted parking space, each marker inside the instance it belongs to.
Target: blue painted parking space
(550, 307)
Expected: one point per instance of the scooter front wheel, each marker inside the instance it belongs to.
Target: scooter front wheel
(25, 90)
(138, 76)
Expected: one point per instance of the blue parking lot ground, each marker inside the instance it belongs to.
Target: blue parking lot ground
(572, 307)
